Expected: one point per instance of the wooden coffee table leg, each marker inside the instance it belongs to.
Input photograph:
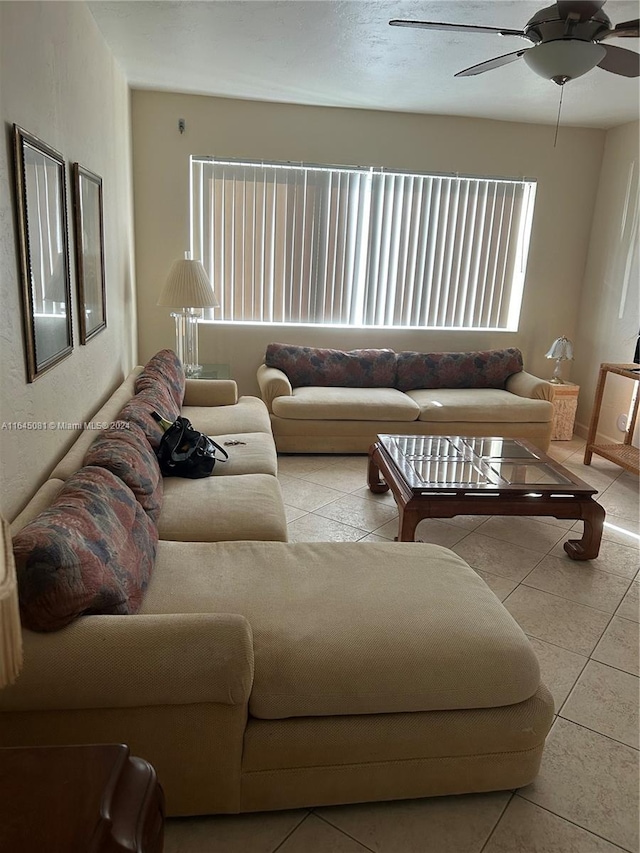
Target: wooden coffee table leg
(408, 520)
(376, 483)
(587, 548)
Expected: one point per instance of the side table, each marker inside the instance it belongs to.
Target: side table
(213, 371)
(94, 799)
(624, 454)
(565, 404)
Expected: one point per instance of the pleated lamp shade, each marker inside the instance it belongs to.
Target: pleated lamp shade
(10, 634)
(188, 286)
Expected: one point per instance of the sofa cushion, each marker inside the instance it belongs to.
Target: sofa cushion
(246, 506)
(479, 405)
(486, 369)
(360, 368)
(255, 454)
(128, 455)
(91, 551)
(346, 404)
(249, 414)
(354, 628)
(164, 369)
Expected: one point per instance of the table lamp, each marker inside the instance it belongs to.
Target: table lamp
(10, 634)
(189, 289)
(562, 350)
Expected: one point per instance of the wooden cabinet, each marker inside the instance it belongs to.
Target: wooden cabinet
(68, 799)
(623, 454)
(565, 404)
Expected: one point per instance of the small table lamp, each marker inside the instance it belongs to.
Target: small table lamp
(10, 634)
(562, 350)
(188, 288)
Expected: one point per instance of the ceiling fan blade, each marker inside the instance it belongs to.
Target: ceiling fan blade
(496, 62)
(586, 9)
(628, 29)
(621, 61)
(464, 28)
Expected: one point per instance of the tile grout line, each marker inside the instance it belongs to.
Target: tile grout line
(595, 731)
(572, 688)
(339, 829)
(573, 601)
(290, 833)
(558, 716)
(573, 823)
(495, 826)
(541, 589)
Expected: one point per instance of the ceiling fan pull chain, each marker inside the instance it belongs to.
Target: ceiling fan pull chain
(555, 138)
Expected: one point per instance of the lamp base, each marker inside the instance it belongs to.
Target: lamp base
(187, 339)
(192, 371)
(556, 379)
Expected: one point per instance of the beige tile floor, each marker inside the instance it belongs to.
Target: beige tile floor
(582, 619)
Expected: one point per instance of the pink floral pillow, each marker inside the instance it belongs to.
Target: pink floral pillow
(360, 368)
(486, 369)
(164, 370)
(139, 410)
(127, 454)
(91, 551)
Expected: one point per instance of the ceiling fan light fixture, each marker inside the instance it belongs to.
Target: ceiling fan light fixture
(564, 59)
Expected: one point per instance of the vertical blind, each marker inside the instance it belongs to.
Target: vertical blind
(296, 243)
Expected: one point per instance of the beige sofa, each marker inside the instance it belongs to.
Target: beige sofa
(321, 418)
(261, 674)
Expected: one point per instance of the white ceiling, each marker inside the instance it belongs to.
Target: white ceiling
(344, 53)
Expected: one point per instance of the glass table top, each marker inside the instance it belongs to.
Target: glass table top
(475, 463)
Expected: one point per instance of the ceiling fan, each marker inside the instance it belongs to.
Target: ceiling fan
(567, 42)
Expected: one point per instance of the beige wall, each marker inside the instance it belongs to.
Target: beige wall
(567, 184)
(609, 314)
(59, 81)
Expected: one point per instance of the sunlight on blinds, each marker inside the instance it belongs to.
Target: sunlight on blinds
(296, 243)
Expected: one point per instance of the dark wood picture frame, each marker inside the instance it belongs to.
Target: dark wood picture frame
(88, 218)
(44, 252)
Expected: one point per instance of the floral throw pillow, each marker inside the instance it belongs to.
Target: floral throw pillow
(91, 551)
(486, 369)
(139, 410)
(127, 454)
(165, 370)
(360, 368)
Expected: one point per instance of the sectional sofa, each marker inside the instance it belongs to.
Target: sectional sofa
(173, 616)
(330, 401)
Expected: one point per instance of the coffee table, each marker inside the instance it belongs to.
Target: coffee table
(436, 476)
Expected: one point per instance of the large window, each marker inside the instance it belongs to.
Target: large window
(298, 243)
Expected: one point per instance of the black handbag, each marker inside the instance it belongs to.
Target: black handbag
(185, 452)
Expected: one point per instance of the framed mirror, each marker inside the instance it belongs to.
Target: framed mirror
(44, 252)
(89, 238)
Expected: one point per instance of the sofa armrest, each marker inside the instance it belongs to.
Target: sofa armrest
(135, 661)
(273, 383)
(210, 392)
(525, 385)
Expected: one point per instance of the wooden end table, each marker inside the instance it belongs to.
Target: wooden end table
(79, 799)
(444, 476)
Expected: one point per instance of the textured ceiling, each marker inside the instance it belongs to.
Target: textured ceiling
(345, 54)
